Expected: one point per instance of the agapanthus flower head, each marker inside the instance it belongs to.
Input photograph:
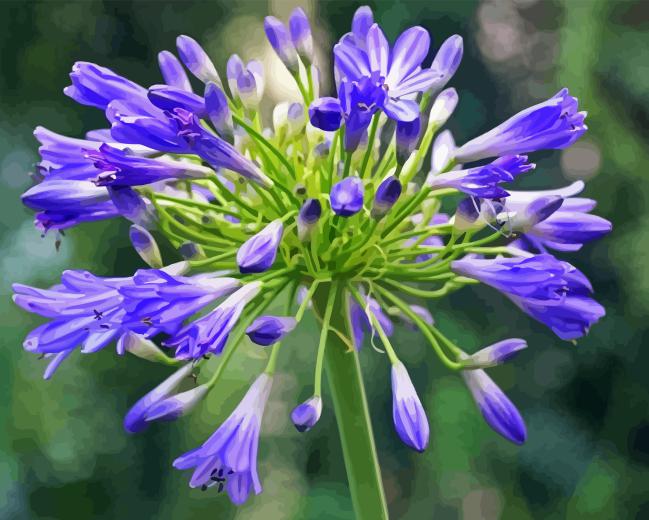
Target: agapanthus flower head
(332, 218)
(347, 196)
(552, 124)
(408, 414)
(307, 414)
(229, 457)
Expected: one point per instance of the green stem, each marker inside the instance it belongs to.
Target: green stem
(352, 415)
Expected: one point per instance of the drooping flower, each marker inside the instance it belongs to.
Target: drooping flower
(135, 419)
(484, 181)
(496, 408)
(552, 292)
(552, 124)
(210, 333)
(267, 330)
(229, 457)
(408, 414)
(347, 196)
(258, 253)
(307, 414)
(495, 354)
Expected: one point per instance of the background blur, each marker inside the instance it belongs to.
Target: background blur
(63, 453)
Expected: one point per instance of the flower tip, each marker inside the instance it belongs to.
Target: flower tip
(306, 415)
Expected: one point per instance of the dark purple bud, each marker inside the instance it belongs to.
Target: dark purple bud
(306, 415)
(326, 114)
(146, 246)
(347, 196)
(309, 215)
(258, 253)
(386, 196)
(267, 330)
(407, 138)
(280, 40)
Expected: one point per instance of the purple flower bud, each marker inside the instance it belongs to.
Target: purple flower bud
(217, 109)
(173, 407)
(295, 118)
(131, 205)
(191, 251)
(536, 211)
(250, 85)
(306, 415)
(267, 330)
(280, 40)
(386, 196)
(301, 35)
(135, 421)
(140, 346)
(146, 246)
(407, 138)
(447, 60)
(347, 196)
(258, 253)
(443, 149)
(309, 215)
(326, 114)
(197, 60)
(443, 107)
(173, 72)
(361, 23)
(498, 411)
(408, 414)
(495, 354)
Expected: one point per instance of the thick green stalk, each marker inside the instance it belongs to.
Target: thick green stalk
(352, 415)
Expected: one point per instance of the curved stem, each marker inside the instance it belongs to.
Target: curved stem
(352, 415)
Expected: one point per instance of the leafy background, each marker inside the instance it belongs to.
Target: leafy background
(63, 453)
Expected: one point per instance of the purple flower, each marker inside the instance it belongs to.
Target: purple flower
(181, 132)
(135, 419)
(565, 229)
(310, 213)
(552, 292)
(301, 37)
(347, 196)
(145, 245)
(83, 310)
(498, 411)
(156, 300)
(267, 330)
(552, 124)
(166, 97)
(175, 406)
(307, 414)
(210, 333)
(120, 168)
(229, 457)
(173, 72)
(386, 196)
(196, 60)
(408, 414)
(97, 86)
(326, 114)
(495, 354)
(257, 254)
(359, 322)
(280, 40)
(484, 181)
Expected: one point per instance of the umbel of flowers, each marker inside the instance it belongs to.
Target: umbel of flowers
(330, 208)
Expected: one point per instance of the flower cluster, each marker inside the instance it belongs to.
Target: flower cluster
(330, 208)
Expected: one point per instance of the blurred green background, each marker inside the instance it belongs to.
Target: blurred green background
(63, 453)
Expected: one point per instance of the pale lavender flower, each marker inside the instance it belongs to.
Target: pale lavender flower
(408, 414)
